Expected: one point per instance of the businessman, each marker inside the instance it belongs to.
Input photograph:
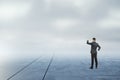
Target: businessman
(94, 47)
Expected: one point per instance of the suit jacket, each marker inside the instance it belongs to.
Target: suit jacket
(94, 47)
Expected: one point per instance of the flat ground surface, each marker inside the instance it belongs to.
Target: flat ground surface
(60, 69)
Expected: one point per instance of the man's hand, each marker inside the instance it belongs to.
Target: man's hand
(98, 49)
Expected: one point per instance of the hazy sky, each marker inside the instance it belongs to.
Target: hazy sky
(60, 26)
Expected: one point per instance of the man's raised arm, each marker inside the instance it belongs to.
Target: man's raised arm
(88, 42)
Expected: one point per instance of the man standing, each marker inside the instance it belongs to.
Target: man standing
(94, 47)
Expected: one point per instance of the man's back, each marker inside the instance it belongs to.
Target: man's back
(94, 46)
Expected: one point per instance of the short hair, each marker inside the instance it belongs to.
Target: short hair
(94, 38)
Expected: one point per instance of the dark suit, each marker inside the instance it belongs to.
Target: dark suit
(93, 51)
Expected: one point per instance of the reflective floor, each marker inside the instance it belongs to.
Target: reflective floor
(42, 68)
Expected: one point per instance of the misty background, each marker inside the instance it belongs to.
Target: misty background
(42, 27)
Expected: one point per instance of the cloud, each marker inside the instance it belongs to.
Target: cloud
(64, 24)
(112, 20)
(13, 10)
(61, 25)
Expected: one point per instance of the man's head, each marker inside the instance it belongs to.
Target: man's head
(94, 39)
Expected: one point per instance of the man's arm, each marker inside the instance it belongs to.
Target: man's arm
(88, 42)
(99, 47)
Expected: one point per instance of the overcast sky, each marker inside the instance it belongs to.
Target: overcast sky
(60, 26)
